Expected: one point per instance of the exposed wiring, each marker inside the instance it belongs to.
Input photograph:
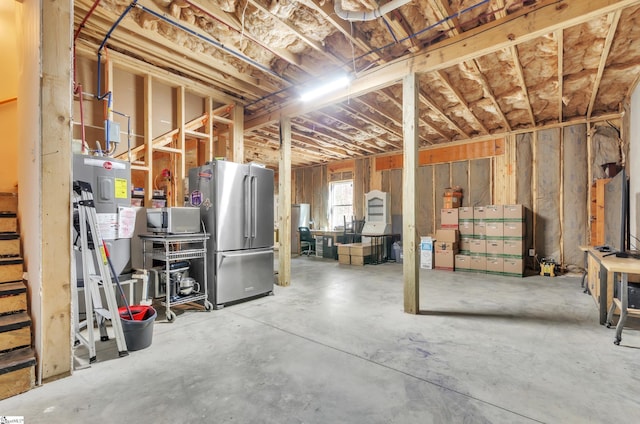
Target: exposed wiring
(242, 22)
(213, 42)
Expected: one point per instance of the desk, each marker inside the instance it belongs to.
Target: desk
(600, 282)
(623, 266)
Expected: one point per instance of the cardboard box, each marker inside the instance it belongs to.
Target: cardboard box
(478, 213)
(478, 263)
(344, 249)
(445, 259)
(513, 266)
(479, 228)
(446, 234)
(465, 243)
(426, 252)
(515, 212)
(359, 249)
(478, 246)
(513, 247)
(495, 247)
(493, 212)
(494, 229)
(465, 227)
(495, 264)
(449, 218)
(446, 245)
(451, 202)
(465, 212)
(462, 263)
(513, 229)
(358, 260)
(344, 259)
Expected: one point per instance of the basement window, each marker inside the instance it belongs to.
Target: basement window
(341, 204)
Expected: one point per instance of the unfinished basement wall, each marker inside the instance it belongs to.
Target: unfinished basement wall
(552, 182)
(473, 176)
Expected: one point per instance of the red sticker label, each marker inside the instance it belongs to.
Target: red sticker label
(107, 165)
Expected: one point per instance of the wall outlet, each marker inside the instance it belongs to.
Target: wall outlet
(532, 252)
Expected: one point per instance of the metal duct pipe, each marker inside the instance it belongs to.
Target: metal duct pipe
(370, 15)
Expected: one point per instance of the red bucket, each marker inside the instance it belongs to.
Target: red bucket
(139, 312)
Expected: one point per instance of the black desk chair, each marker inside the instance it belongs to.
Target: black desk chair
(307, 242)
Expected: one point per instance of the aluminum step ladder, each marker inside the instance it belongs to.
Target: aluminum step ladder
(95, 273)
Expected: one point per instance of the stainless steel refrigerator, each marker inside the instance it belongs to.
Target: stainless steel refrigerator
(236, 207)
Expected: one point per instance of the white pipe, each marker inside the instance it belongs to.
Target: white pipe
(370, 15)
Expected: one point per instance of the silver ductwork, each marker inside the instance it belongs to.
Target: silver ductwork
(369, 15)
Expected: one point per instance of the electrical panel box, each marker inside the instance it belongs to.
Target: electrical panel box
(377, 213)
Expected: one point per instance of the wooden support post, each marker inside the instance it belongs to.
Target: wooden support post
(49, 269)
(284, 205)
(178, 178)
(208, 148)
(410, 267)
(148, 140)
(238, 133)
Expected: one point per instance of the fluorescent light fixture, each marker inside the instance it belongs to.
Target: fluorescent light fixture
(337, 84)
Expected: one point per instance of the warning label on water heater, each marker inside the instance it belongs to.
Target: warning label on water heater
(121, 189)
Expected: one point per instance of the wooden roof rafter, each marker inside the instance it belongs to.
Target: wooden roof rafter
(342, 121)
(612, 19)
(461, 100)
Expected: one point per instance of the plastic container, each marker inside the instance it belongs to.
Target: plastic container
(138, 333)
(397, 252)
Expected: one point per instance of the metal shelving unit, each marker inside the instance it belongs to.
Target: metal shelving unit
(171, 248)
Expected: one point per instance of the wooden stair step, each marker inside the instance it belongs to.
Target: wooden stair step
(11, 269)
(15, 331)
(8, 202)
(17, 372)
(8, 222)
(9, 244)
(13, 297)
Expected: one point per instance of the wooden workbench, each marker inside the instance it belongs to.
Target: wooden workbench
(623, 266)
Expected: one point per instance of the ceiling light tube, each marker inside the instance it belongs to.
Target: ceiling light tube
(337, 84)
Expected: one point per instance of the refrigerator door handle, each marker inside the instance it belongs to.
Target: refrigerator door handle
(254, 208)
(247, 206)
(235, 255)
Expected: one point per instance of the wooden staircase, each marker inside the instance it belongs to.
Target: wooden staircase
(17, 359)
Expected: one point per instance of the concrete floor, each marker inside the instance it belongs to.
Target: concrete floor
(336, 347)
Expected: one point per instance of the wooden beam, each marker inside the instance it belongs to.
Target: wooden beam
(410, 265)
(527, 24)
(454, 153)
(284, 207)
(612, 20)
(237, 135)
(233, 23)
(50, 151)
(456, 92)
(148, 141)
(140, 68)
(181, 165)
(559, 34)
